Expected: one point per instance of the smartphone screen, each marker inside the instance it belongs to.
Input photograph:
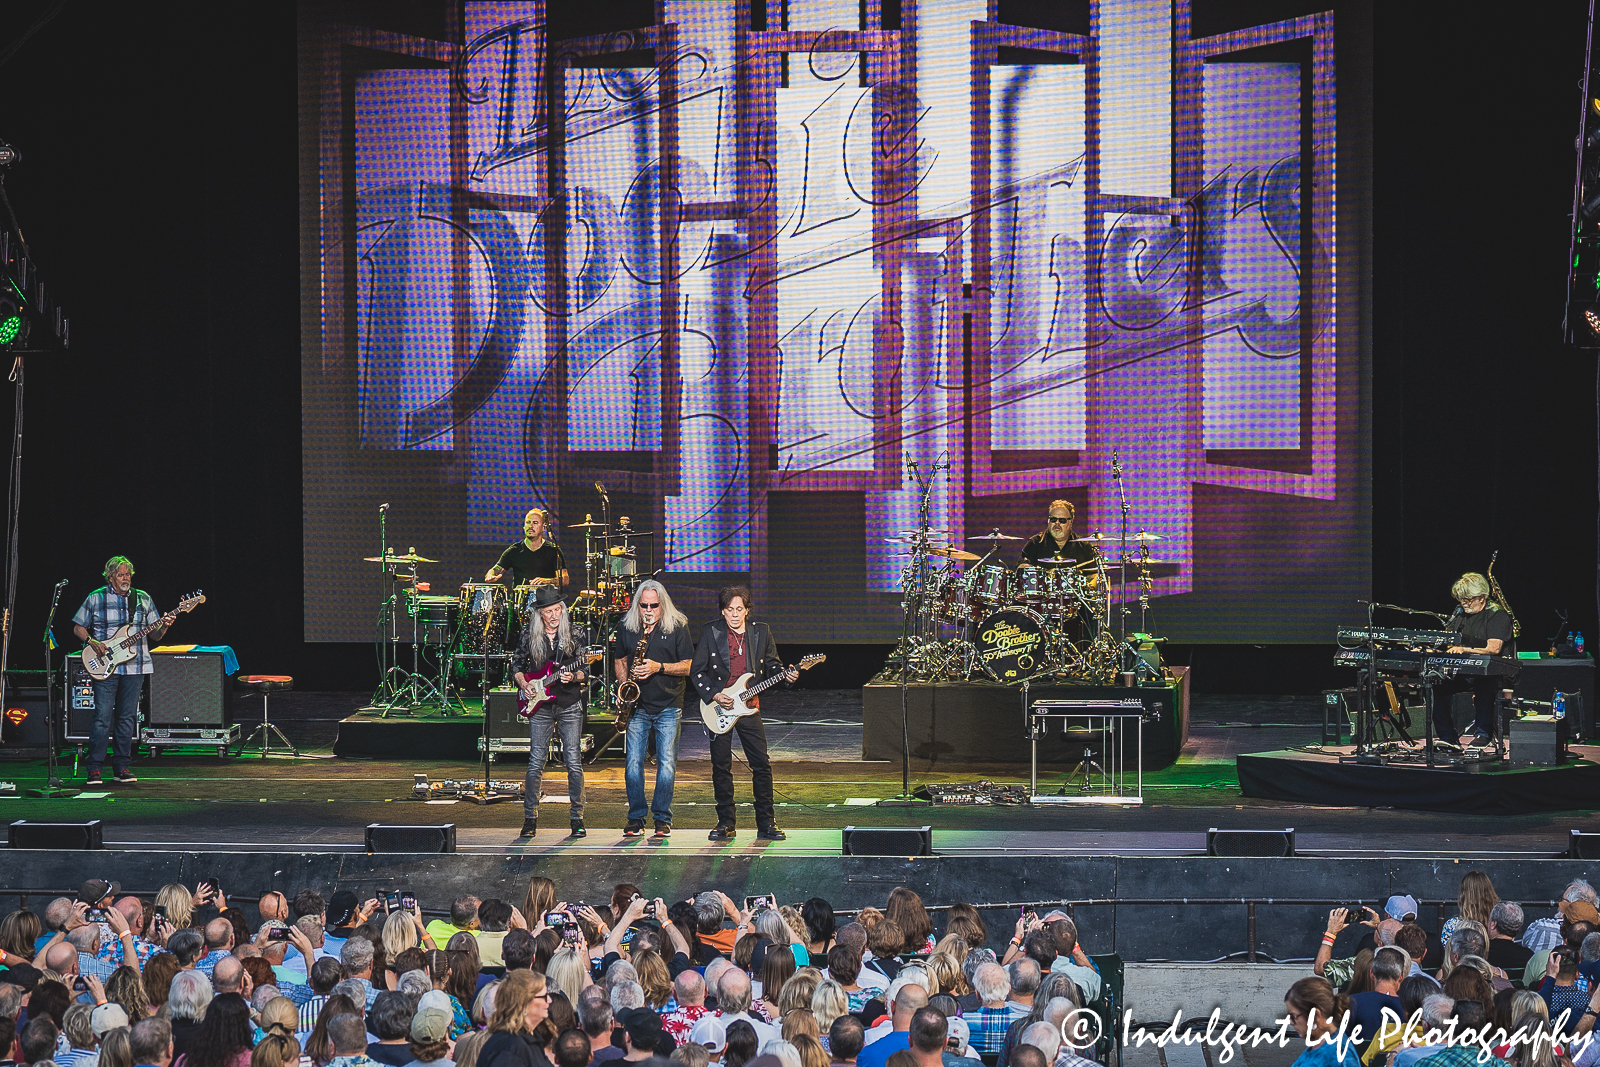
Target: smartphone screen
(393, 900)
(278, 933)
(407, 901)
(161, 911)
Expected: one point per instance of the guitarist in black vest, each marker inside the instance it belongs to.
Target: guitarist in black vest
(726, 650)
(116, 698)
(552, 646)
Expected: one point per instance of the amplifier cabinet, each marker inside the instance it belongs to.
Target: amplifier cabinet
(188, 689)
(77, 696)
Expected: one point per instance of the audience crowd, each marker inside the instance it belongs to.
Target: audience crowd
(182, 979)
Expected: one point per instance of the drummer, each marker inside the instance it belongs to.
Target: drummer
(532, 560)
(1057, 540)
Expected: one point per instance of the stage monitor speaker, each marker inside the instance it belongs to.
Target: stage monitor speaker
(1241, 843)
(188, 689)
(412, 839)
(24, 722)
(1583, 846)
(55, 835)
(77, 690)
(887, 841)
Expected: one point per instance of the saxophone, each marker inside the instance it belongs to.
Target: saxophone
(1500, 597)
(628, 691)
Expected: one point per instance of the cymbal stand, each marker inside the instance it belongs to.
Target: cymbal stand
(914, 585)
(417, 691)
(1122, 548)
(386, 693)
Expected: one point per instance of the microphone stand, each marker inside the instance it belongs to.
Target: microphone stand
(919, 562)
(52, 788)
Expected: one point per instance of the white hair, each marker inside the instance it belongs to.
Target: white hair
(671, 617)
(189, 996)
(534, 640)
(1044, 1037)
(1577, 890)
(783, 1050)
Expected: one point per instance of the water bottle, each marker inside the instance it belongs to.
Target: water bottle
(1558, 704)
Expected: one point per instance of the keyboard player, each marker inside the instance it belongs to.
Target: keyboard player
(1484, 627)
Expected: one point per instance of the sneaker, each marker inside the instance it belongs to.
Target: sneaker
(663, 829)
(771, 833)
(95, 778)
(635, 828)
(124, 776)
(529, 827)
(577, 829)
(724, 832)
(1482, 741)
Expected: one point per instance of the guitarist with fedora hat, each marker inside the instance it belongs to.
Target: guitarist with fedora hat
(552, 646)
(728, 648)
(116, 697)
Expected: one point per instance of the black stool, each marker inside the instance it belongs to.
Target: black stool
(265, 684)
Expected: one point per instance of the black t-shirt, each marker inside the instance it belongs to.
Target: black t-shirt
(526, 564)
(1509, 956)
(661, 690)
(1043, 546)
(1479, 627)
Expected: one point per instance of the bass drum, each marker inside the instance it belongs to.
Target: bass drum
(1012, 645)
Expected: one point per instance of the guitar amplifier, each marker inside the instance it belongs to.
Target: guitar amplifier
(188, 689)
(24, 725)
(77, 695)
(502, 711)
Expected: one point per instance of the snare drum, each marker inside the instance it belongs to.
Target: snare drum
(485, 617)
(991, 585)
(1028, 585)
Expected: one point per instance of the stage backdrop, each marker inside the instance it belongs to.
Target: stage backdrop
(745, 277)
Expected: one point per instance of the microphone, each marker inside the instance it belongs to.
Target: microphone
(62, 584)
(601, 490)
(383, 507)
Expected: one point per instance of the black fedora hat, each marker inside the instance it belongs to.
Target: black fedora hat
(545, 596)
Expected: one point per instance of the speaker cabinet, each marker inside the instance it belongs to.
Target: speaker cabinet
(502, 712)
(1249, 842)
(77, 696)
(1583, 846)
(412, 839)
(188, 689)
(24, 722)
(887, 841)
(55, 835)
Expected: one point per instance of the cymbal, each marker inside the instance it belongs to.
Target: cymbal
(1132, 564)
(995, 536)
(409, 557)
(1108, 539)
(590, 525)
(625, 533)
(954, 553)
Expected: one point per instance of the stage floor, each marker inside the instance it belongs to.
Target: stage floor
(821, 784)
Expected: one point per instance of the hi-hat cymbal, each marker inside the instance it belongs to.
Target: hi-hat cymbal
(590, 525)
(995, 536)
(409, 557)
(954, 553)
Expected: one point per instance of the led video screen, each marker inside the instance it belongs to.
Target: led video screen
(754, 287)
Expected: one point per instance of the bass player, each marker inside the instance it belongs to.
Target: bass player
(726, 650)
(552, 645)
(653, 650)
(116, 698)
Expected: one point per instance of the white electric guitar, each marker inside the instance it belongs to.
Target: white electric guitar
(720, 720)
(124, 644)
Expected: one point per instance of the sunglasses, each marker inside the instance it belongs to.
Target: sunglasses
(650, 606)
(1055, 521)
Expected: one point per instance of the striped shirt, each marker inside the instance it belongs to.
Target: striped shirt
(104, 613)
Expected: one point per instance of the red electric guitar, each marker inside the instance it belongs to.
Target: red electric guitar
(541, 683)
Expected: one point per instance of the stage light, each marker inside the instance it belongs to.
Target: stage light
(13, 323)
(1591, 317)
(16, 716)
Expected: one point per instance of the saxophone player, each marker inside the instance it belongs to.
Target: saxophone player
(653, 650)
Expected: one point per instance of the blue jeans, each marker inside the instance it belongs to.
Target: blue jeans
(545, 721)
(662, 726)
(116, 699)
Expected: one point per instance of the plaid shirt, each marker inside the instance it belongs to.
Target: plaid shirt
(987, 1027)
(104, 613)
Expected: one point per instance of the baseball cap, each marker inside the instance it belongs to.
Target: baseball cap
(341, 907)
(433, 1018)
(1401, 907)
(107, 1017)
(643, 1026)
(95, 890)
(711, 1032)
(958, 1032)
(1579, 911)
(25, 975)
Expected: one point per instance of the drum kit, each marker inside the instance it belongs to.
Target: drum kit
(464, 643)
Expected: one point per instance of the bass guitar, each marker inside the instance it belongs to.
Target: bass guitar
(720, 720)
(124, 644)
(541, 685)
